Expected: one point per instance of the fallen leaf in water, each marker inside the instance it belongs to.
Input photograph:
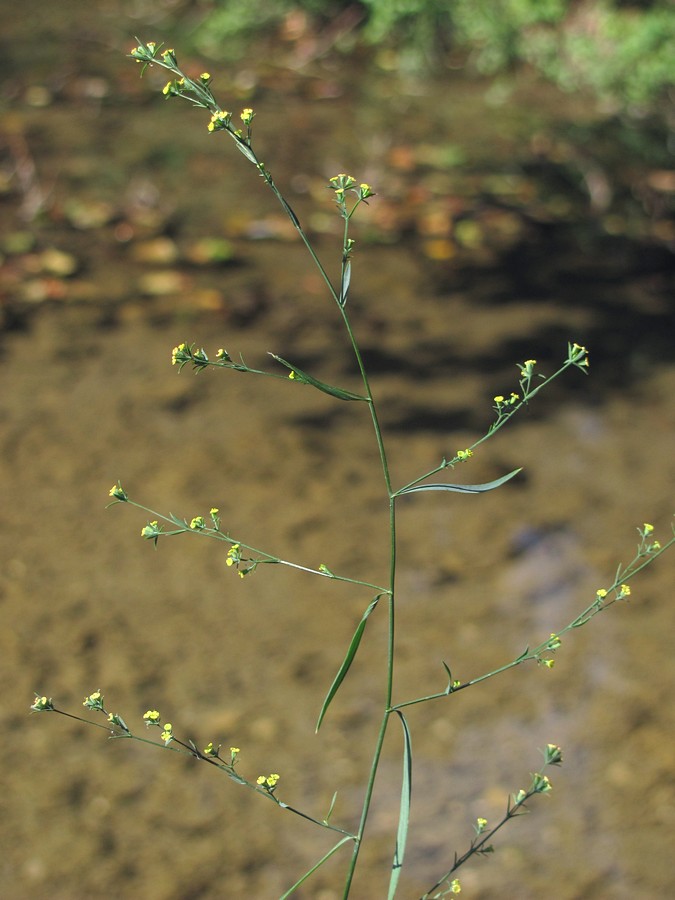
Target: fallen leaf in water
(57, 262)
(210, 251)
(156, 251)
(156, 284)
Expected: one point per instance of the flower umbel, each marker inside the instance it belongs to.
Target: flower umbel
(151, 531)
(268, 782)
(42, 704)
(233, 556)
(117, 492)
(220, 121)
(94, 701)
(552, 755)
(577, 355)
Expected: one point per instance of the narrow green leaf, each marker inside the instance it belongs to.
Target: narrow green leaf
(304, 378)
(248, 153)
(450, 678)
(404, 814)
(289, 212)
(346, 278)
(463, 488)
(330, 808)
(346, 663)
(316, 866)
(180, 522)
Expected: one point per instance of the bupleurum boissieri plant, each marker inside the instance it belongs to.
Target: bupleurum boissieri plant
(349, 194)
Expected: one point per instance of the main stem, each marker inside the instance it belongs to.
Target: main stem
(391, 611)
(340, 301)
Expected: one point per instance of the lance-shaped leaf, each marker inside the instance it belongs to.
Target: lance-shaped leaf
(304, 378)
(346, 663)
(449, 689)
(463, 488)
(246, 150)
(346, 278)
(404, 813)
(289, 212)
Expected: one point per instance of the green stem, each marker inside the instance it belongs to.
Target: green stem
(391, 608)
(268, 558)
(317, 865)
(366, 803)
(296, 223)
(623, 576)
(504, 417)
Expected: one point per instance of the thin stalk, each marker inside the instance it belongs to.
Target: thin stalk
(366, 804)
(311, 871)
(496, 425)
(623, 576)
(370, 400)
(268, 558)
(298, 227)
(391, 606)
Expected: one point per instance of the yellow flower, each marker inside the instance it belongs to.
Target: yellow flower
(179, 353)
(42, 703)
(118, 493)
(219, 120)
(268, 781)
(233, 555)
(94, 701)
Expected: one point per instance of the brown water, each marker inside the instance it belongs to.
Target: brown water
(89, 396)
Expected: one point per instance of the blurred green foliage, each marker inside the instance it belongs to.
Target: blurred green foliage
(227, 25)
(622, 51)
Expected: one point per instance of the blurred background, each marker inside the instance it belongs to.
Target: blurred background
(522, 155)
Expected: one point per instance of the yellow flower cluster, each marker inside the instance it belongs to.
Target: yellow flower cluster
(220, 120)
(269, 782)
